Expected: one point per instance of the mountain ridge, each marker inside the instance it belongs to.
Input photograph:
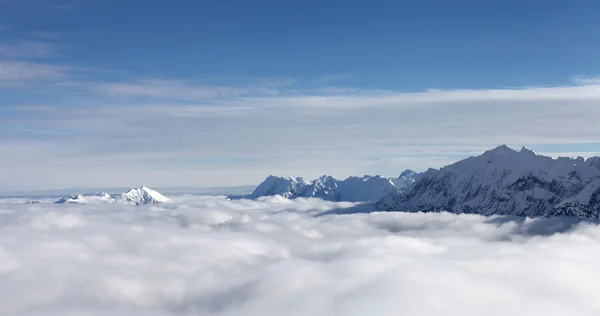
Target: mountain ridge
(503, 181)
(351, 189)
(137, 196)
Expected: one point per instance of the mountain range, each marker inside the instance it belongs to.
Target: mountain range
(501, 181)
(352, 189)
(137, 196)
(504, 181)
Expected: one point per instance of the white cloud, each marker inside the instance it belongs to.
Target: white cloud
(185, 134)
(175, 90)
(11, 71)
(334, 77)
(26, 49)
(586, 80)
(210, 256)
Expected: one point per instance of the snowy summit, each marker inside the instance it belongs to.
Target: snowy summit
(353, 189)
(137, 196)
(143, 195)
(504, 181)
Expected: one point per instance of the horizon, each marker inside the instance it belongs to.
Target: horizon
(229, 190)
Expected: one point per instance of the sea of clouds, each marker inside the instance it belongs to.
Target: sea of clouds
(212, 256)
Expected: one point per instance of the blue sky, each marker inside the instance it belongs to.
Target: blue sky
(210, 93)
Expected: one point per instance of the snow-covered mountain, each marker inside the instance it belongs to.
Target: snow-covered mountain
(80, 199)
(141, 195)
(353, 189)
(506, 182)
(285, 186)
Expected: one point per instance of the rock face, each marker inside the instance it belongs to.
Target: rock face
(141, 195)
(594, 162)
(353, 189)
(505, 182)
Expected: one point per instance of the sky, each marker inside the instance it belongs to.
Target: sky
(274, 256)
(223, 93)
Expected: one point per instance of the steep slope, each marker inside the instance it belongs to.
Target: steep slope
(353, 189)
(142, 195)
(504, 181)
(284, 186)
(594, 162)
(406, 180)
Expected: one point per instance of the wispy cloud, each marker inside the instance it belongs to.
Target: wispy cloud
(177, 90)
(31, 71)
(124, 128)
(26, 49)
(328, 78)
(64, 7)
(305, 135)
(4, 28)
(586, 80)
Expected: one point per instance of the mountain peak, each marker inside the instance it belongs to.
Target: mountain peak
(353, 189)
(503, 181)
(501, 149)
(525, 150)
(407, 173)
(141, 195)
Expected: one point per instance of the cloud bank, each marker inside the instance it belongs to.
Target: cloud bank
(210, 256)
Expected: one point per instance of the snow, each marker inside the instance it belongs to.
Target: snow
(141, 195)
(352, 189)
(502, 181)
(80, 199)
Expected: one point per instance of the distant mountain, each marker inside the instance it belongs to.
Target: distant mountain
(141, 195)
(506, 182)
(352, 189)
(81, 199)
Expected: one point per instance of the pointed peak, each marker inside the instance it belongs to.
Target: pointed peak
(503, 147)
(325, 177)
(501, 150)
(526, 150)
(407, 173)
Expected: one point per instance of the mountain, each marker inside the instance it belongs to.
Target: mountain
(141, 195)
(353, 189)
(80, 199)
(594, 162)
(503, 181)
(284, 186)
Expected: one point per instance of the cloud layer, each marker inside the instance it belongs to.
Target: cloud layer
(210, 256)
(238, 138)
(72, 125)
